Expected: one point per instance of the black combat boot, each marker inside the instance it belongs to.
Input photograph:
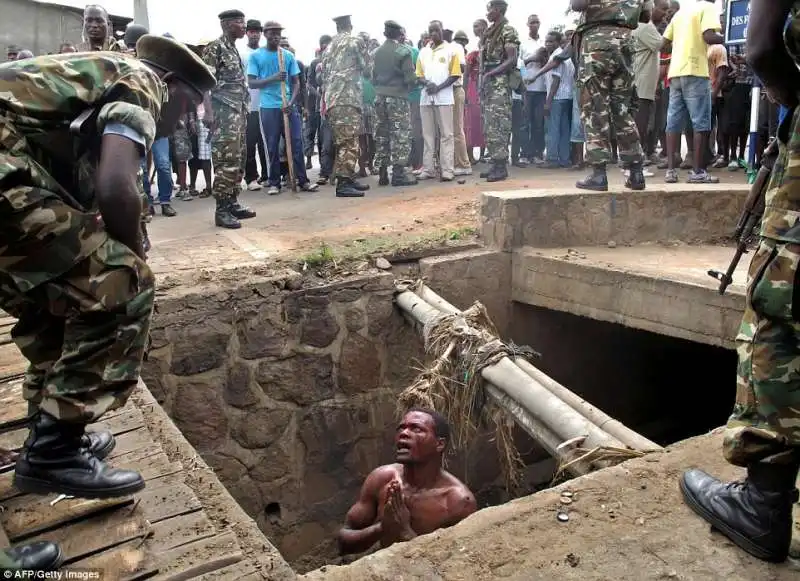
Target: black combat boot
(100, 443)
(485, 174)
(635, 179)
(223, 216)
(756, 513)
(55, 460)
(37, 556)
(358, 185)
(346, 188)
(498, 173)
(597, 181)
(241, 212)
(383, 172)
(401, 178)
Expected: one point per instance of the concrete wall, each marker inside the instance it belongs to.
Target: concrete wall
(547, 219)
(291, 397)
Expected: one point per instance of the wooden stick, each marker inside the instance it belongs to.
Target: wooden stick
(287, 129)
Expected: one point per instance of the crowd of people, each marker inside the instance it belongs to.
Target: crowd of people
(409, 112)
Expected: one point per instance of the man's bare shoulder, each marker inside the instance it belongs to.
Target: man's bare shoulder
(458, 493)
(384, 474)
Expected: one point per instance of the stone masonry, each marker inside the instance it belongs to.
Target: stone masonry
(290, 397)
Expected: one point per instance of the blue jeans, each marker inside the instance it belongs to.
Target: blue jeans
(559, 127)
(163, 171)
(272, 126)
(689, 96)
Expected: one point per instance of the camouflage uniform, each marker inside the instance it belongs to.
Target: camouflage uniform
(83, 300)
(231, 102)
(344, 62)
(496, 91)
(765, 423)
(393, 130)
(605, 79)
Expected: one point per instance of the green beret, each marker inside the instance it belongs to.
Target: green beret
(460, 35)
(253, 25)
(172, 56)
(231, 15)
(501, 3)
(391, 24)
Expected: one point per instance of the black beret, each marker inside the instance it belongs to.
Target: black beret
(133, 33)
(460, 35)
(253, 25)
(342, 19)
(498, 3)
(231, 15)
(392, 24)
(272, 25)
(176, 58)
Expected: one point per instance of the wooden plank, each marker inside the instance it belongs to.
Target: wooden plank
(5, 338)
(127, 562)
(199, 558)
(6, 320)
(175, 532)
(131, 442)
(241, 571)
(152, 466)
(97, 533)
(163, 502)
(11, 361)
(4, 542)
(29, 515)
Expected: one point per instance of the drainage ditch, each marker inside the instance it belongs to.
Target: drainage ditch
(290, 394)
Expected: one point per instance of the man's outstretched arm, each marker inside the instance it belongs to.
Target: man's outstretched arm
(361, 529)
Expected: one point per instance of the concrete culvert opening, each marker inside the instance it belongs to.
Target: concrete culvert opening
(291, 395)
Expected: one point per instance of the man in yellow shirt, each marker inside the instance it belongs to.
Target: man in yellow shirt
(688, 35)
(438, 68)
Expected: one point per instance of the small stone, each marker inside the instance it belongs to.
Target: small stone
(640, 521)
(566, 500)
(417, 221)
(573, 560)
(612, 244)
(672, 574)
(567, 494)
(562, 517)
(643, 486)
(462, 182)
(383, 264)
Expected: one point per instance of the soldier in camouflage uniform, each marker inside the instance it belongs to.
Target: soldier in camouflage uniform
(499, 76)
(393, 76)
(763, 432)
(72, 272)
(97, 31)
(226, 110)
(344, 63)
(605, 85)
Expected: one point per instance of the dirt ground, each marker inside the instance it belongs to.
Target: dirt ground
(625, 523)
(317, 227)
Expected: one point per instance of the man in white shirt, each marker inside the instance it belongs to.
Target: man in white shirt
(536, 91)
(254, 140)
(438, 68)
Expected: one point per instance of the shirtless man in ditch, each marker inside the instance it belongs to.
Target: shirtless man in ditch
(413, 497)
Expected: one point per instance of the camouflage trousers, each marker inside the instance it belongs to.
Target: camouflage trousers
(496, 110)
(605, 86)
(765, 423)
(345, 125)
(228, 151)
(393, 131)
(83, 303)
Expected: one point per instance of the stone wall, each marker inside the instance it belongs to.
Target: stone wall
(290, 396)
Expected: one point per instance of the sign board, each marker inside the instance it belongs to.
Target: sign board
(737, 17)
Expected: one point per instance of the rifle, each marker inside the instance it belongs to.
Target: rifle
(750, 217)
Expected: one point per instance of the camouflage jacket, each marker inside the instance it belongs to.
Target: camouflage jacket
(110, 45)
(39, 100)
(493, 48)
(344, 63)
(610, 21)
(222, 57)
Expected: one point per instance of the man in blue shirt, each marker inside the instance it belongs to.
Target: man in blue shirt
(263, 72)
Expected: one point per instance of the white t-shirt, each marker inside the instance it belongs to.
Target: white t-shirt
(436, 65)
(255, 94)
(529, 48)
